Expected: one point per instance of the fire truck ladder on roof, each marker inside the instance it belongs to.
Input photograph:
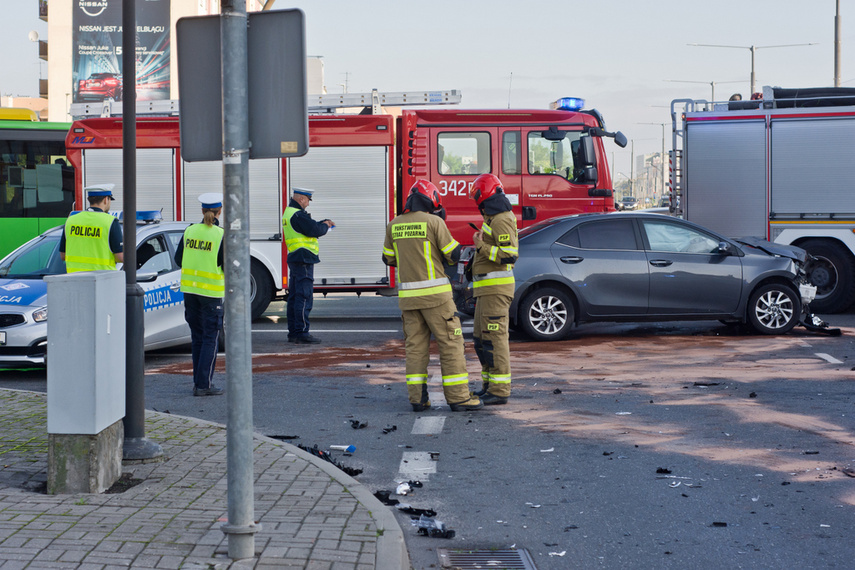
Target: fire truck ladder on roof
(375, 99)
(316, 103)
(679, 107)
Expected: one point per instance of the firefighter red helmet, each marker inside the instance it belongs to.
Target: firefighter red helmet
(429, 191)
(484, 187)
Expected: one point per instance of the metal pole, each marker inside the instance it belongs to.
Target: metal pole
(753, 50)
(241, 527)
(837, 46)
(135, 446)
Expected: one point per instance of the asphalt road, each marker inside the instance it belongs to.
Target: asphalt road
(626, 446)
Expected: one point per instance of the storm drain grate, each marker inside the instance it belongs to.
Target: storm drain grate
(509, 559)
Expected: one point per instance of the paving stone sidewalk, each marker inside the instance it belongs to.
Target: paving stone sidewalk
(313, 516)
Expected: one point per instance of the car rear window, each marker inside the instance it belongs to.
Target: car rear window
(602, 234)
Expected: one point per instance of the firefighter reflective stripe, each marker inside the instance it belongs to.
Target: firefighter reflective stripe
(429, 260)
(488, 231)
(200, 274)
(423, 284)
(416, 378)
(455, 379)
(450, 247)
(294, 240)
(388, 252)
(494, 253)
(423, 292)
(494, 278)
(500, 378)
(87, 242)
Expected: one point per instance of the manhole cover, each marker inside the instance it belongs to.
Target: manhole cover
(508, 559)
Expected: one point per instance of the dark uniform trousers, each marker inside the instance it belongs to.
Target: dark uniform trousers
(301, 284)
(205, 317)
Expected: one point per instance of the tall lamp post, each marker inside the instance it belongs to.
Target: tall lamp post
(753, 51)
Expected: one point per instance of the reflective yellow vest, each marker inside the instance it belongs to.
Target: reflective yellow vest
(87, 242)
(294, 240)
(200, 274)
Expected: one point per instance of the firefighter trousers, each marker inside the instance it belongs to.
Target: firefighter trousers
(491, 342)
(442, 322)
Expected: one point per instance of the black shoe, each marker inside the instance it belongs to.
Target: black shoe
(212, 391)
(421, 407)
(470, 405)
(292, 339)
(307, 339)
(483, 390)
(493, 400)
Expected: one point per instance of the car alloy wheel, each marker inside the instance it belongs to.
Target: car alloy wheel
(774, 309)
(547, 314)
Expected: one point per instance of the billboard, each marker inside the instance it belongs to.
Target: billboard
(97, 50)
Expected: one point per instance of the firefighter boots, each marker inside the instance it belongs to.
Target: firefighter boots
(470, 405)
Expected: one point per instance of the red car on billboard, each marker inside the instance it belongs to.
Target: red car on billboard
(100, 86)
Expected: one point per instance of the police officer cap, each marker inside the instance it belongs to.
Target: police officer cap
(211, 200)
(304, 192)
(100, 191)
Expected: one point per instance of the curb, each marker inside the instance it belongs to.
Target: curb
(391, 549)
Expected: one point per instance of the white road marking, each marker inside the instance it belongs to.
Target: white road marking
(828, 358)
(416, 466)
(428, 425)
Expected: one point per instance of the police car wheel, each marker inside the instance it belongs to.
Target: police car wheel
(261, 289)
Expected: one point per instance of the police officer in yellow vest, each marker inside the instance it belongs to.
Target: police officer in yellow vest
(92, 239)
(301, 238)
(496, 251)
(200, 255)
(419, 244)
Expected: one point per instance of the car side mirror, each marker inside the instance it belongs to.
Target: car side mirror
(723, 248)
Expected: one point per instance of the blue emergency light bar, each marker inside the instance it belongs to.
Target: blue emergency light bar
(568, 104)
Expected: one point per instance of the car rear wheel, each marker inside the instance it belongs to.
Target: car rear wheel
(774, 309)
(547, 314)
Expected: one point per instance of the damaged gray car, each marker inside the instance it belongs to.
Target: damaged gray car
(651, 267)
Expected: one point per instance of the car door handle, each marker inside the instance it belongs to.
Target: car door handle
(660, 262)
(175, 286)
(569, 259)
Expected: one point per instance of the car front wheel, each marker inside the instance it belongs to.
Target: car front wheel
(774, 309)
(547, 314)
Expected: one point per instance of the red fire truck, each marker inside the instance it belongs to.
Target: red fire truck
(551, 162)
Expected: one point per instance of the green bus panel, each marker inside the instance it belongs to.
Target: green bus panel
(17, 231)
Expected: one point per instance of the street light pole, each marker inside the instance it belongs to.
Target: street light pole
(753, 49)
(837, 45)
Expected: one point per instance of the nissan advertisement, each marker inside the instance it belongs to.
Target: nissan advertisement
(97, 45)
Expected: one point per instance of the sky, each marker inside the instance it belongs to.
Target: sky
(627, 58)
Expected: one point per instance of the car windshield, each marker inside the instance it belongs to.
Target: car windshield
(36, 259)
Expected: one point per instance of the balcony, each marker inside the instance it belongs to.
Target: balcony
(43, 10)
(43, 89)
(43, 54)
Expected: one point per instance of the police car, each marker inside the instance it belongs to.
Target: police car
(23, 292)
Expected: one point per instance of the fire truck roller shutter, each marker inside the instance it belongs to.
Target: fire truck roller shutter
(726, 164)
(265, 204)
(155, 177)
(351, 187)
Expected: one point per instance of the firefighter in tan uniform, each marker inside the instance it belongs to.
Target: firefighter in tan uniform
(419, 244)
(496, 251)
